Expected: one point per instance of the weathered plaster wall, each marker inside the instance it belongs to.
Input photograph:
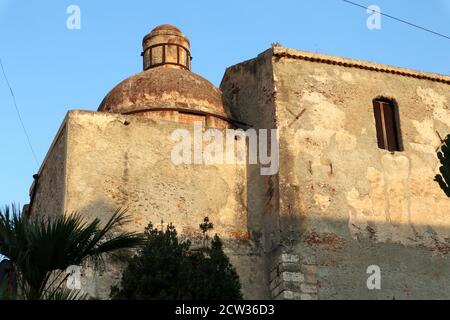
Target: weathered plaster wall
(338, 204)
(49, 189)
(341, 204)
(357, 205)
(248, 91)
(119, 161)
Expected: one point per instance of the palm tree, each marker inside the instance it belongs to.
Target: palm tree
(41, 249)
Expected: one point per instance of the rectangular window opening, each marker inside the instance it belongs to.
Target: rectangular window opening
(387, 125)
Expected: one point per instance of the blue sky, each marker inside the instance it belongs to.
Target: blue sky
(53, 69)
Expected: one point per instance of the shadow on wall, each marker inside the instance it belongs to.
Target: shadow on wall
(333, 253)
(337, 256)
(245, 255)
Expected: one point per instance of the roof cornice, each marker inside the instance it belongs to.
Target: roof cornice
(281, 52)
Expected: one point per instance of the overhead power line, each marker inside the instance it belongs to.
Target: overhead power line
(19, 115)
(399, 20)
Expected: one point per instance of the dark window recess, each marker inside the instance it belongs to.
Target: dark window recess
(386, 120)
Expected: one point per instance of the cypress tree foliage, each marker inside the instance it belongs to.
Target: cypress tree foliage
(444, 157)
(168, 269)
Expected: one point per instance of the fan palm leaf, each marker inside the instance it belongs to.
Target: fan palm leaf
(40, 246)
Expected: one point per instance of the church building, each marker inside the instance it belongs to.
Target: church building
(353, 194)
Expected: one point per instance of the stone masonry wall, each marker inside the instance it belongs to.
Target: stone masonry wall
(343, 203)
(249, 93)
(292, 280)
(354, 204)
(49, 189)
(117, 161)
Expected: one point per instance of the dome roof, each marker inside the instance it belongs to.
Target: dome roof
(165, 29)
(165, 88)
(167, 85)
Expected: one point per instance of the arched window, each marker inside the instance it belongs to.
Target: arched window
(387, 124)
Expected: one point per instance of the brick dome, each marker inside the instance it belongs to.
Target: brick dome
(165, 88)
(166, 84)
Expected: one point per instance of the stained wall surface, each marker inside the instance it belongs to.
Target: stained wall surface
(116, 161)
(338, 204)
(48, 190)
(344, 204)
